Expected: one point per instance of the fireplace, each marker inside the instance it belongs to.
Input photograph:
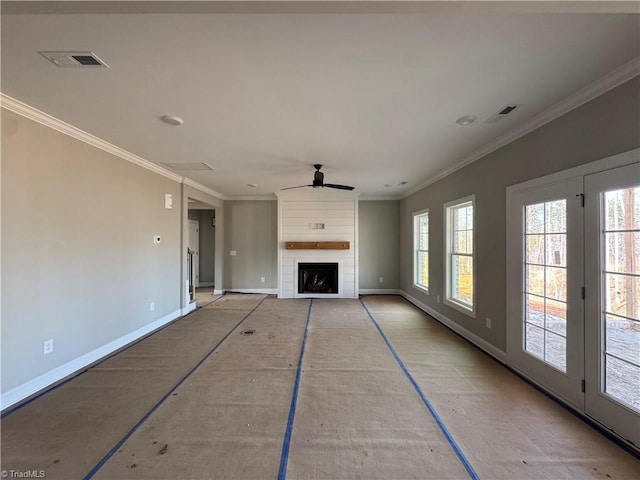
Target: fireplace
(318, 278)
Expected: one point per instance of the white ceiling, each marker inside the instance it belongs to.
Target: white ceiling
(372, 96)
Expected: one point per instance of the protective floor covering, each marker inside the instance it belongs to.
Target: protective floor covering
(357, 414)
(67, 431)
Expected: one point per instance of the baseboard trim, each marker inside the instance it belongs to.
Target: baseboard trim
(205, 284)
(43, 382)
(218, 292)
(479, 342)
(191, 306)
(266, 291)
(379, 291)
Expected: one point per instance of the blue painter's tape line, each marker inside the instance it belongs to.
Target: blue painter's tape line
(11, 410)
(467, 465)
(104, 460)
(284, 457)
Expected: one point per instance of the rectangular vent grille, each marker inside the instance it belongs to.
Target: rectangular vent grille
(180, 167)
(74, 59)
(502, 113)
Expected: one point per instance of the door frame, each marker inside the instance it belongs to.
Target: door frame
(196, 249)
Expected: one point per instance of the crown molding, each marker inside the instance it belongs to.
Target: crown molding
(613, 79)
(202, 188)
(385, 198)
(314, 6)
(27, 111)
(268, 196)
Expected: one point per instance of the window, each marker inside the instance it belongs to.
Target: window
(459, 258)
(421, 250)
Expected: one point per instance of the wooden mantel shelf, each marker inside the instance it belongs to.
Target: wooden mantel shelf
(317, 245)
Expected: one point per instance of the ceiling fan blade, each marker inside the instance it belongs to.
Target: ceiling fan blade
(299, 186)
(340, 187)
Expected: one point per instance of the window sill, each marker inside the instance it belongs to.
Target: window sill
(460, 307)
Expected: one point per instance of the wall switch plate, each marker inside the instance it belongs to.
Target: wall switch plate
(488, 322)
(48, 347)
(152, 306)
(233, 253)
(168, 201)
(438, 298)
(156, 239)
(262, 279)
(380, 279)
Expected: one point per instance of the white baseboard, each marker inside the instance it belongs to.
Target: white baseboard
(267, 291)
(218, 292)
(472, 337)
(379, 291)
(40, 383)
(189, 308)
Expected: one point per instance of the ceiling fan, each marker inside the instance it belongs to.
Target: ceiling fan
(318, 181)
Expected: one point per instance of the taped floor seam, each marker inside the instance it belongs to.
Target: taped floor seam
(286, 443)
(463, 459)
(109, 454)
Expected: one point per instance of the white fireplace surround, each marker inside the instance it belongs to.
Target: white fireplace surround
(300, 212)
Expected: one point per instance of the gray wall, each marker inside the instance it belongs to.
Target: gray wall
(379, 244)
(250, 228)
(608, 125)
(78, 260)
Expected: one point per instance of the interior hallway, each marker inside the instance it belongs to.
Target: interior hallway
(225, 393)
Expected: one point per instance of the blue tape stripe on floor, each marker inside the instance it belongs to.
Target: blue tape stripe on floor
(95, 469)
(284, 457)
(98, 362)
(472, 473)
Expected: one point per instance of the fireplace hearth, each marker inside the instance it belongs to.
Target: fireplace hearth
(318, 278)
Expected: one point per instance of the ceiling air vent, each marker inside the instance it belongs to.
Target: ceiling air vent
(74, 59)
(178, 167)
(502, 113)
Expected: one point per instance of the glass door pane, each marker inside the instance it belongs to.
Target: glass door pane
(545, 293)
(620, 316)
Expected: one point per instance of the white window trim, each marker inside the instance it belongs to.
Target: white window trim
(447, 256)
(415, 250)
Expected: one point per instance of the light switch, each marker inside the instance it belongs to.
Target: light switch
(168, 201)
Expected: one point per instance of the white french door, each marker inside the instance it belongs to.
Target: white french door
(612, 281)
(545, 337)
(573, 288)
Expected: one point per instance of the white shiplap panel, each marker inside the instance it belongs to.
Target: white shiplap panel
(292, 230)
(305, 221)
(319, 205)
(322, 215)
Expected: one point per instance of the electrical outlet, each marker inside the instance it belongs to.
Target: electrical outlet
(262, 279)
(488, 322)
(380, 279)
(152, 306)
(233, 253)
(48, 347)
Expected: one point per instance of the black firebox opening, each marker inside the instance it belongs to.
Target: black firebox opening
(317, 278)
